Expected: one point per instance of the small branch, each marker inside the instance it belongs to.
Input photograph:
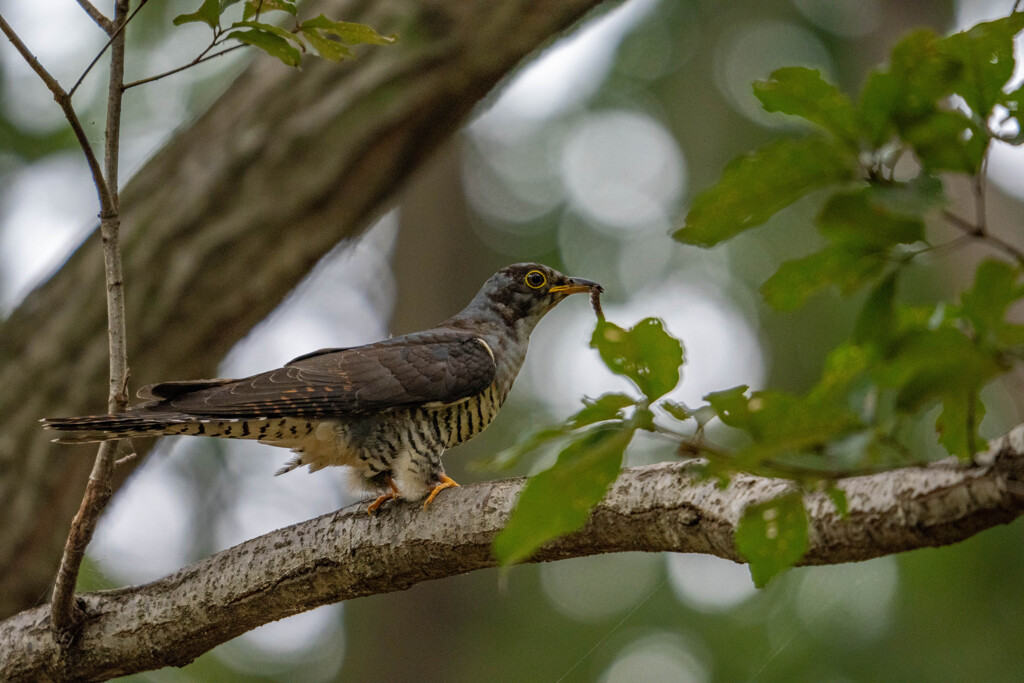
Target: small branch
(110, 227)
(113, 36)
(979, 233)
(979, 229)
(64, 101)
(340, 556)
(980, 210)
(65, 615)
(97, 16)
(198, 60)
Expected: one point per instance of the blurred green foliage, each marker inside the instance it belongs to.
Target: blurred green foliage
(900, 360)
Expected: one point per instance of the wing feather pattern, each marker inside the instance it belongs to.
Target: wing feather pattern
(411, 370)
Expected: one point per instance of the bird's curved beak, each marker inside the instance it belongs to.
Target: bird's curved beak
(577, 285)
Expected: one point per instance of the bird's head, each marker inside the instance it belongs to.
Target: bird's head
(523, 292)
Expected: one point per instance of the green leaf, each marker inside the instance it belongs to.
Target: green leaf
(958, 422)
(607, 407)
(755, 186)
(273, 45)
(802, 92)
(1015, 105)
(796, 280)
(783, 424)
(985, 52)
(510, 457)
(772, 536)
(679, 411)
(854, 219)
(643, 418)
(876, 321)
(923, 75)
(350, 33)
(271, 28)
(208, 13)
(838, 498)
(877, 102)
(252, 7)
(948, 141)
(985, 304)
(328, 48)
(558, 500)
(646, 354)
(844, 367)
(732, 406)
(908, 90)
(916, 197)
(910, 98)
(927, 364)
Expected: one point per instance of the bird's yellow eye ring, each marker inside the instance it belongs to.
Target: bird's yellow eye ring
(535, 279)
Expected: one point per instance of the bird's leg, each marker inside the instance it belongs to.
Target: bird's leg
(445, 482)
(385, 497)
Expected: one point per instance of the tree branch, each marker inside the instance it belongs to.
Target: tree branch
(198, 60)
(65, 616)
(348, 554)
(64, 101)
(97, 16)
(121, 21)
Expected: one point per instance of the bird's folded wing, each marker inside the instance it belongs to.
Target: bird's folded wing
(364, 379)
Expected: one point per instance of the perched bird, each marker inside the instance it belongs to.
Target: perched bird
(387, 410)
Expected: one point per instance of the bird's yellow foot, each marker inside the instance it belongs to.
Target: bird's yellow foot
(372, 508)
(445, 483)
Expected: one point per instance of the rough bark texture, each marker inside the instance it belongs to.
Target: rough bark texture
(221, 224)
(348, 554)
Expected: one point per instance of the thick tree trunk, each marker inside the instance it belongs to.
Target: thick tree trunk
(349, 554)
(221, 224)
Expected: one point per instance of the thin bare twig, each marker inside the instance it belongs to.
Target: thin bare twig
(979, 229)
(980, 193)
(64, 102)
(99, 17)
(194, 62)
(983, 235)
(113, 36)
(65, 615)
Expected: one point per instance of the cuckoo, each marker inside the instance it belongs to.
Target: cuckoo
(386, 410)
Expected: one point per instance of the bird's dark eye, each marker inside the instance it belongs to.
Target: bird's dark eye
(535, 279)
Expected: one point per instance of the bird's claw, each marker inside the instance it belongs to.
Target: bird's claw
(446, 482)
(372, 507)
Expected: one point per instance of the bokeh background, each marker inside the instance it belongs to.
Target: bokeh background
(584, 159)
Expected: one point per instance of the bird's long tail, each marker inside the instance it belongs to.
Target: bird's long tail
(93, 428)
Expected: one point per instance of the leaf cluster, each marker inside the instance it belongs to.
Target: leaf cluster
(938, 105)
(328, 38)
(558, 500)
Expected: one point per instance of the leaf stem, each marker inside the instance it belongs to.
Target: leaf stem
(772, 467)
(194, 62)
